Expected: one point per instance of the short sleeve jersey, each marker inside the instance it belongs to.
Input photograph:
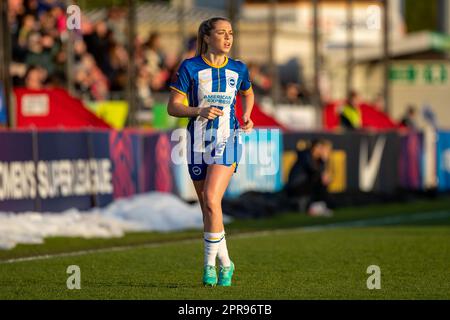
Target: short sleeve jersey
(205, 84)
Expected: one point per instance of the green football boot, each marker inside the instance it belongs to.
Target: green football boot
(209, 276)
(225, 275)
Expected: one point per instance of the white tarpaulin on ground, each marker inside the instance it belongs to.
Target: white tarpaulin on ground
(145, 212)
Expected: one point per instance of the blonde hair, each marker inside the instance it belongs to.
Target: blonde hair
(205, 29)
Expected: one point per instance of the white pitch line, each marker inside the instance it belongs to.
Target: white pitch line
(103, 250)
(391, 220)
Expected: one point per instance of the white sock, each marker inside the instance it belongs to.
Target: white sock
(212, 242)
(222, 254)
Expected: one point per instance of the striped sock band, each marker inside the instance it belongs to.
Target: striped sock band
(222, 253)
(211, 246)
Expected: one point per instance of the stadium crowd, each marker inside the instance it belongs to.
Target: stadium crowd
(100, 58)
(40, 38)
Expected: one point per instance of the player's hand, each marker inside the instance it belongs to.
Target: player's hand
(210, 113)
(248, 123)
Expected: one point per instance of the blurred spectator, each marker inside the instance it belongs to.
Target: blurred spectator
(153, 54)
(58, 14)
(144, 89)
(261, 82)
(39, 51)
(87, 26)
(350, 114)
(171, 64)
(16, 7)
(291, 94)
(294, 94)
(58, 78)
(35, 78)
(290, 72)
(309, 178)
(190, 52)
(139, 52)
(98, 44)
(154, 62)
(31, 7)
(89, 79)
(118, 57)
(409, 119)
(48, 25)
(79, 49)
(117, 23)
(29, 25)
(191, 48)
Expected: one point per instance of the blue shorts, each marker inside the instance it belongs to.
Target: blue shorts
(229, 155)
(198, 171)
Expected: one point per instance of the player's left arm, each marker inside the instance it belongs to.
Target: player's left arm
(248, 99)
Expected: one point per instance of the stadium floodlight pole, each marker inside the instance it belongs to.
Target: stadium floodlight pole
(5, 61)
(386, 57)
(232, 15)
(274, 92)
(350, 46)
(446, 17)
(182, 23)
(70, 60)
(442, 15)
(131, 85)
(317, 98)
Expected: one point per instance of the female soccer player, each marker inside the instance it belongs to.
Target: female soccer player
(211, 81)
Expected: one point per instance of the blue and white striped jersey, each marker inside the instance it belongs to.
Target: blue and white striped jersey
(206, 85)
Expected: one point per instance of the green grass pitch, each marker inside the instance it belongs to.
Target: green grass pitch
(290, 256)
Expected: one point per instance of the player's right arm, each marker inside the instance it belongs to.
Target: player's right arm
(179, 87)
(176, 108)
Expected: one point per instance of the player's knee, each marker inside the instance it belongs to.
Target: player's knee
(211, 202)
